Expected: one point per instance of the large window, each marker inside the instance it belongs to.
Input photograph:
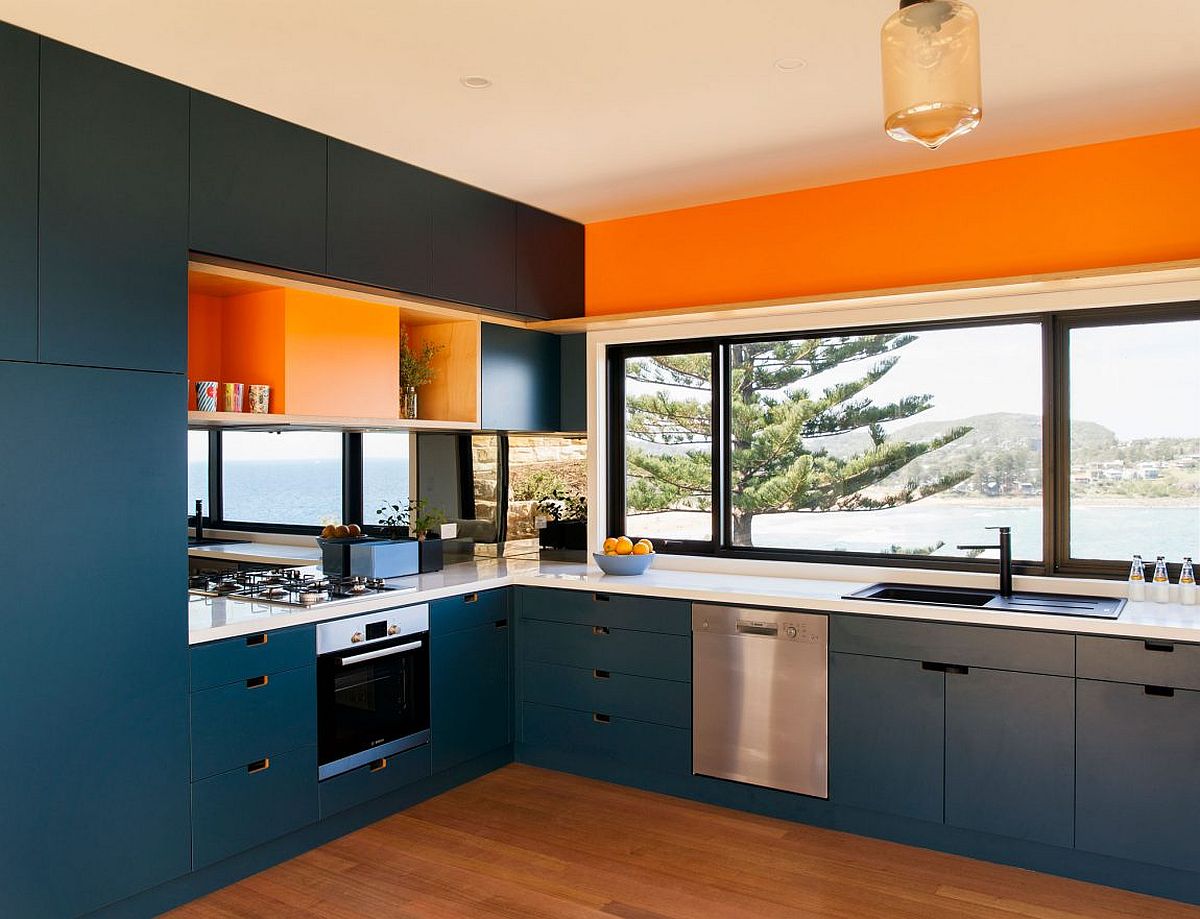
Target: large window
(197, 471)
(384, 472)
(286, 478)
(898, 445)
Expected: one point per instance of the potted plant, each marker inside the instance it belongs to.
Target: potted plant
(416, 369)
(416, 520)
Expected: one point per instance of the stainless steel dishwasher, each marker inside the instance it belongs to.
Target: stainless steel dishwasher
(760, 691)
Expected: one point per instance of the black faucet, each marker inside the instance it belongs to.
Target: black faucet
(199, 521)
(1005, 548)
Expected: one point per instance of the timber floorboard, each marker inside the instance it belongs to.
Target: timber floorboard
(528, 843)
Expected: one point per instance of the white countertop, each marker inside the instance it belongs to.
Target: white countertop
(212, 619)
(262, 553)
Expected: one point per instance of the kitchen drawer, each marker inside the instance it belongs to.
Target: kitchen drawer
(240, 722)
(604, 739)
(365, 783)
(453, 614)
(617, 611)
(664, 657)
(245, 807)
(235, 659)
(967, 645)
(617, 694)
(1149, 663)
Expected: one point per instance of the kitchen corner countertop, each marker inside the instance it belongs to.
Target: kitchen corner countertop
(212, 619)
(261, 553)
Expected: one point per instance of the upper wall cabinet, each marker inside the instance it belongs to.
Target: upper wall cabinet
(18, 191)
(257, 187)
(380, 220)
(112, 228)
(549, 264)
(520, 379)
(474, 246)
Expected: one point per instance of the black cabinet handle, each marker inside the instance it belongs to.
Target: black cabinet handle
(601, 598)
(501, 623)
(378, 766)
(471, 598)
(945, 668)
(1159, 646)
(600, 675)
(601, 719)
(253, 641)
(256, 681)
(1165, 691)
(259, 765)
(599, 630)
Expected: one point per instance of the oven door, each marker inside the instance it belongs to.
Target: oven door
(372, 701)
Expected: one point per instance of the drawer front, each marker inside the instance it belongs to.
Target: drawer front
(615, 741)
(241, 722)
(236, 659)
(664, 657)
(240, 809)
(365, 783)
(969, 645)
(1148, 663)
(617, 611)
(453, 614)
(618, 694)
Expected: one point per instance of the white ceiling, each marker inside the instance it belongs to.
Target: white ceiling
(603, 109)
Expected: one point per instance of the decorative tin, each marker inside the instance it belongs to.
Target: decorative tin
(206, 396)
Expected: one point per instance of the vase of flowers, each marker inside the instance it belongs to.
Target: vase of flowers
(416, 369)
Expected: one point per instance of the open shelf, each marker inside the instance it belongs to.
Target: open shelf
(330, 357)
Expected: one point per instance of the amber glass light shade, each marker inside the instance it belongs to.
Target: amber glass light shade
(931, 84)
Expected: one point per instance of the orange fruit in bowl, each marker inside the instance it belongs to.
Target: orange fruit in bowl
(610, 546)
(644, 542)
(624, 546)
(640, 548)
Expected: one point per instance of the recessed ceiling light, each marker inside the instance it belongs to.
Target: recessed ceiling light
(475, 82)
(790, 64)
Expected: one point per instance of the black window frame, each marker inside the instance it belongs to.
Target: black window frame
(1055, 331)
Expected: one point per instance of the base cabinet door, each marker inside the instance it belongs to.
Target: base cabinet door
(886, 735)
(470, 693)
(1010, 754)
(1138, 773)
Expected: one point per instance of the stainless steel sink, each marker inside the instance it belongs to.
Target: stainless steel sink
(1048, 604)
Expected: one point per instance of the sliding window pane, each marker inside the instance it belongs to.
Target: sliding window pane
(292, 478)
(197, 470)
(1135, 441)
(385, 472)
(668, 446)
(895, 443)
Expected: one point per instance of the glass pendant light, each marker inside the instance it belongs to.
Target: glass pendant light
(931, 85)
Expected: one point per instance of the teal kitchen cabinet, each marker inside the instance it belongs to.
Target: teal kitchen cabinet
(112, 206)
(1138, 757)
(474, 246)
(470, 664)
(1010, 754)
(94, 783)
(549, 273)
(18, 191)
(572, 410)
(380, 220)
(887, 735)
(258, 187)
(520, 379)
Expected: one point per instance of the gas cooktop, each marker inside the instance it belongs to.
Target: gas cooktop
(291, 587)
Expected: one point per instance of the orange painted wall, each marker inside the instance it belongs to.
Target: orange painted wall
(1103, 205)
(205, 315)
(252, 343)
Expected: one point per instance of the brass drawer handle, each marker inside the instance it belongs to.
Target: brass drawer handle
(378, 766)
(501, 623)
(1159, 646)
(600, 675)
(261, 765)
(253, 641)
(600, 630)
(601, 719)
(1165, 691)
(256, 681)
(601, 598)
(470, 598)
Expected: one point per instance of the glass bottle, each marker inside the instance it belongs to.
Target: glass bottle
(1162, 583)
(1187, 583)
(1137, 579)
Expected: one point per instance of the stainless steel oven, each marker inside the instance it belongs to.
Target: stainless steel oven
(372, 687)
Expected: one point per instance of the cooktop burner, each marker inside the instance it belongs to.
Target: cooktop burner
(283, 586)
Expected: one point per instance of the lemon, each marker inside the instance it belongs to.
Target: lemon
(624, 546)
(610, 545)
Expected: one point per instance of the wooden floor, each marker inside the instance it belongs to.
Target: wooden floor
(525, 843)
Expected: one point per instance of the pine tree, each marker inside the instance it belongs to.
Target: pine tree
(777, 426)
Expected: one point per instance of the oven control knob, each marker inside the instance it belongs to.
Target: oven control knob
(790, 631)
(393, 630)
(356, 637)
